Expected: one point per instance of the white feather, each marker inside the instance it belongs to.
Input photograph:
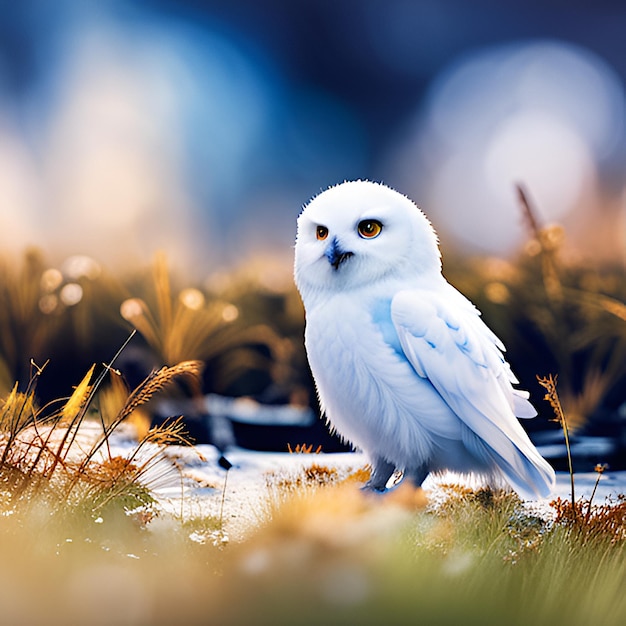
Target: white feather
(404, 366)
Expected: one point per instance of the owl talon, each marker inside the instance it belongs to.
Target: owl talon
(382, 471)
(369, 487)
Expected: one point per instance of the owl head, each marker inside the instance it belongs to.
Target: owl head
(360, 232)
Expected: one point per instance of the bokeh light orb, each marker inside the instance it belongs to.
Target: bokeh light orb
(545, 114)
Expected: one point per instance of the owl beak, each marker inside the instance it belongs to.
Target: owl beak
(335, 255)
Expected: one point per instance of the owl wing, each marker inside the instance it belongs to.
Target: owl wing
(446, 342)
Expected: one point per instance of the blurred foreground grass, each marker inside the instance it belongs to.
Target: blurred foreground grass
(325, 553)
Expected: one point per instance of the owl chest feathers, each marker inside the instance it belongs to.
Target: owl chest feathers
(368, 390)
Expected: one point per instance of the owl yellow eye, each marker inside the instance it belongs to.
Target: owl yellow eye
(368, 229)
(321, 233)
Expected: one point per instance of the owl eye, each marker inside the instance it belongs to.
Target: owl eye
(369, 229)
(321, 233)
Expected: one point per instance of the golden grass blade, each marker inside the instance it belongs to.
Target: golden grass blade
(545, 237)
(17, 414)
(72, 430)
(77, 400)
(172, 431)
(163, 294)
(156, 382)
(599, 300)
(9, 418)
(112, 398)
(8, 407)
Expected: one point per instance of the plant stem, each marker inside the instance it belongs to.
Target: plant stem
(600, 470)
(222, 502)
(569, 461)
(549, 383)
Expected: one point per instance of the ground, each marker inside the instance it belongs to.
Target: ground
(239, 496)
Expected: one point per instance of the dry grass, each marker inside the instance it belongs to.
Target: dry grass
(303, 448)
(552, 396)
(588, 521)
(557, 309)
(57, 451)
(183, 324)
(241, 330)
(592, 522)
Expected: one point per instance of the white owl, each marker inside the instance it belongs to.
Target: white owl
(405, 368)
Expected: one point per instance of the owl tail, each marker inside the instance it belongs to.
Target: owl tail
(527, 472)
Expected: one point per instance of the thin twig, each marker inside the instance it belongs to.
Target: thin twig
(222, 502)
(599, 469)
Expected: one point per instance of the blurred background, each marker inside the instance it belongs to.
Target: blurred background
(200, 128)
